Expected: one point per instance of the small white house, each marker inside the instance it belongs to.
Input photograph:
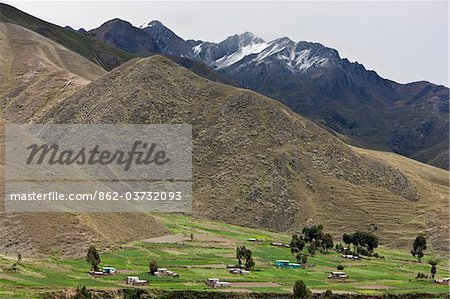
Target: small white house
(337, 275)
(222, 284)
(131, 279)
(212, 281)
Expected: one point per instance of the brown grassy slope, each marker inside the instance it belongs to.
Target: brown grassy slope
(96, 51)
(37, 73)
(256, 163)
(432, 183)
(69, 234)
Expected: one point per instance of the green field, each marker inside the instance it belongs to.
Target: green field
(206, 255)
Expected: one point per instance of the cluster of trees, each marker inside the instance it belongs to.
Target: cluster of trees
(244, 257)
(314, 239)
(364, 242)
(419, 246)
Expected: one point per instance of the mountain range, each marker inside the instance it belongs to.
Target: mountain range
(255, 161)
(353, 103)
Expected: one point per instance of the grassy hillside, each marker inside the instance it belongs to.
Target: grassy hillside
(96, 51)
(258, 164)
(212, 248)
(37, 73)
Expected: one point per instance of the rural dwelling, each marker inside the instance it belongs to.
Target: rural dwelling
(96, 273)
(216, 283)
(211, 281)
(286, 264)
(445, 281)
(109, 270)
(104, 271)
(134, 280)
(165, 272)
(352, 257)
(238, 271)
(338, 275)
(280, 244)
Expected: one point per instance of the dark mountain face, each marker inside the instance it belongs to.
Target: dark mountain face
(345, 97)
(168, 42)
(357, 104)
(313, 80)
(123, 35)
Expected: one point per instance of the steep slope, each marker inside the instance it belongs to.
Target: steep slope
(96, 51)
(169, 43)
(37, 73)
(256, 163)
(123, 35)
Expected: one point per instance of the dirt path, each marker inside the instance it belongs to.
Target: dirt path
(254, 284)
(167, 239)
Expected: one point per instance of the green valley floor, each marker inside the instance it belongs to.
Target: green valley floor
(206, 255)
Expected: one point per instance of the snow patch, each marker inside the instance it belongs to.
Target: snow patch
(197, 49)
(240, 54)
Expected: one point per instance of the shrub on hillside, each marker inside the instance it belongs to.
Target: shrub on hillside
(301, 291)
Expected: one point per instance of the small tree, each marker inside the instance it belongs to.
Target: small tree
(93, 258)
(340, 267)
(301, 291)
(249, 263)
(348, 239)
(371, 241)
(244, 255)
(297, 244)
(153, 267)
(433, 262)
(312, 249)
(19, 259)
(419, 246)
(327, 242)
(82, 293)
(328, 294)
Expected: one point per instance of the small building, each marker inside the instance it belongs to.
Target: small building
(279, 244)
(252, 239)
(338, 275)
(286, 264)
(350, 256)
(96, 273)
(222, 284)
(445, 281)
(130, 279)
(134, 280)
(165, 272)
(104, 271)
(238, 271)
(211, 281)
(109, 270)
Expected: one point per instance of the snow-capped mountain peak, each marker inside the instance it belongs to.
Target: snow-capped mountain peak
(151, 24)
(247, 48)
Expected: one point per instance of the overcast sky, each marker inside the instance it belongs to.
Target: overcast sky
(402, 41)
